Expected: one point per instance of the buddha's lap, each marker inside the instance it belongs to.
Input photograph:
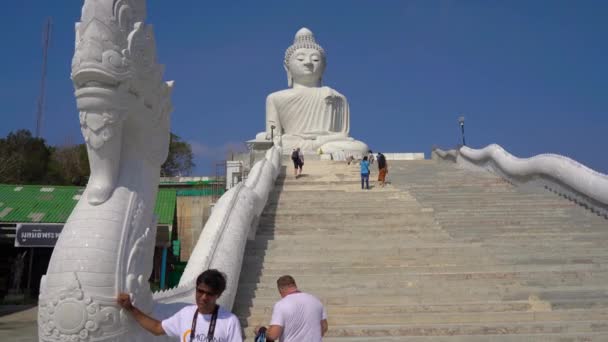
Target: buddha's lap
(327, 144)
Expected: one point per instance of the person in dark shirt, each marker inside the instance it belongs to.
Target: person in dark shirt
(382, 169)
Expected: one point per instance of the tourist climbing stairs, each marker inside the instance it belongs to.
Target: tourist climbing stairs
(441, 254)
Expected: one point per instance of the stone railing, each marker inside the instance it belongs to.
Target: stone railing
(559, 174)
(404, 156)
(221, 244)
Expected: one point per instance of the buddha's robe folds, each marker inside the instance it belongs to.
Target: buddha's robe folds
(312, 119)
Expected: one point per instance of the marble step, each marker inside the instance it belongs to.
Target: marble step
(454, 198)
(453, 309)
(483, 291)
(393, 257)
(523, 236)
(415, 234)
(518, 218)
(391, 276)
(305, 263)
(594, 326)
(345, 221)
(559, 337)
(528, 230)
(399, 230)
(411, 257)
(360, 219)
(437, 295)
(348, 239)
(421, 318)
(582, 295)
(335, 310)
(354, 213)
(307, 235)
(405, 247)
(382, 203)
(331, 244)
(487, 330)
(473, 270)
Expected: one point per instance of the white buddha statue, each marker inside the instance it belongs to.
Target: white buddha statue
(308, 115)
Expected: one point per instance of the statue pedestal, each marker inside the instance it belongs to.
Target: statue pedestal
(259, 145)
(257, 151)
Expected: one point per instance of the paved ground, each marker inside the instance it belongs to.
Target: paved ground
(20, 326)
(12, 308)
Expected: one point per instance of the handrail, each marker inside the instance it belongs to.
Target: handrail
(222, 242)
(557, 173)
(451, 155)
(226, 219)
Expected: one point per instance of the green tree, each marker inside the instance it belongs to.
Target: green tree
(180, 159)
(26, 158)
(69, 165)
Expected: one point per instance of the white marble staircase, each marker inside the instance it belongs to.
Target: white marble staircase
(439, 255)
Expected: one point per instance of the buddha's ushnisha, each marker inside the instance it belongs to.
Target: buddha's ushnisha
(308, 115)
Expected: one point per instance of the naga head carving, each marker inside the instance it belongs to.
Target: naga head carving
(118, 87)
(115, 57)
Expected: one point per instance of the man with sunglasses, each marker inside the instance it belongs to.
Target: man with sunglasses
(205, 321)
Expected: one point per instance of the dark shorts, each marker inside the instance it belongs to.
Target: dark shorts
(297, 164)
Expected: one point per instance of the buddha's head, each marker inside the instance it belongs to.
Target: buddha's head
(304, 60)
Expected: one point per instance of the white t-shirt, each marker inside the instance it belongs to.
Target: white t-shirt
(300, 315)
(227, 326)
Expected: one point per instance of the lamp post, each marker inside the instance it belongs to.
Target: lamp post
(272, 127)
(461, 122)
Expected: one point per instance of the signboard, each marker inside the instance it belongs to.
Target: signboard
(37, 235)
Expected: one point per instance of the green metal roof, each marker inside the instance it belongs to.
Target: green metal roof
(201, 192)
(165, 206)
(53, 204)
(35, 203)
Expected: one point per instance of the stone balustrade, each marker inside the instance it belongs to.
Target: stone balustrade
(559, 174)
(221, 244)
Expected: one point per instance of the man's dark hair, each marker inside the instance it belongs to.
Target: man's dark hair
(286, 281)
(365, 158)
(214, 279)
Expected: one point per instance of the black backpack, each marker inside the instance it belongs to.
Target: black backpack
(295, 156)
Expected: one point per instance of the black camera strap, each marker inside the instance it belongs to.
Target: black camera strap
(211, 331)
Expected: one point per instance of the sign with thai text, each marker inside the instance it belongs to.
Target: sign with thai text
(37, 235)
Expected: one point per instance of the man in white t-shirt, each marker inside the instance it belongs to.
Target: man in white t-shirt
(194, 322)
(298, 316)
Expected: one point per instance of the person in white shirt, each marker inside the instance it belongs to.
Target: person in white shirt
(298, 316)
(205, 321)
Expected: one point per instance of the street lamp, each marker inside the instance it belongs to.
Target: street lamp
(272, 127)
(461, 122)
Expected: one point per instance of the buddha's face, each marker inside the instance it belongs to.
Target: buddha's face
(306, 65)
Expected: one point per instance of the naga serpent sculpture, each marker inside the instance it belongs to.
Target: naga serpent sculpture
(107, 243)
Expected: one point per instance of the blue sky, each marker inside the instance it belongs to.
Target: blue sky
(531, 76)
